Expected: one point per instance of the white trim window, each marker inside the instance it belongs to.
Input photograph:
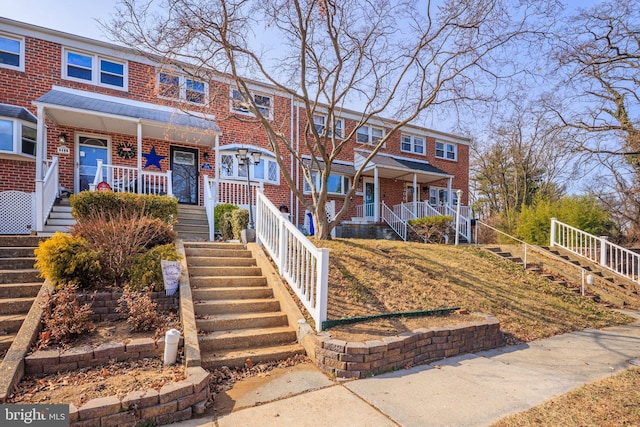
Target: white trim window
(369, 134)
(238, 103)
(94, 69)
(439, 196)
(17, 137)
(12, 52)
(336, 184)
(412, 144)
(447, 151)
(337, 130)
(177, 86)
(266, 171)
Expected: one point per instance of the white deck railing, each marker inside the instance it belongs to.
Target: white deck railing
(619, 260)
(304, 266)
(209, 205)
(47, 190)
(396, 223)
(365, 210)
(410, 210)
(126, 179)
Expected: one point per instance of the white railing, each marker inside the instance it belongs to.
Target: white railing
(209, 205)
(126, 179)
(235, 192)
(47, 191)
(464, 225)
(409, 210)
(304, 266)
(396, 223)
(619, 260)
(365, 210)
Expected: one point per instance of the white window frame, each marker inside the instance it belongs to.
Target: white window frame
(17, 126)
(320, 123)
(182, 87)
(237, 107)
(412, 143)
(96, 71)
(447, 148)
(235, 169)
(21, 59)
(315, 176)
(445, 192)
(371, 138)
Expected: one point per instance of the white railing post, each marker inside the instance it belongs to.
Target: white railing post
(603, 250)
(282, 243)
(169, 184)
(552, 234)
(322, 283)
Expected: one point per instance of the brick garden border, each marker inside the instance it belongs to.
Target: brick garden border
(361, 359)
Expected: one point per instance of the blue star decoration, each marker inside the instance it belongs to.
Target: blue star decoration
(153, 159)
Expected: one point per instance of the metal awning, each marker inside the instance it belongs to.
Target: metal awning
(16, 112)
(87, 110)
(393, 167)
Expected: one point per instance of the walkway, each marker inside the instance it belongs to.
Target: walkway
(470, 390)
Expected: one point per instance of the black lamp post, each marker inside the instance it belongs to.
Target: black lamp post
(245, 160)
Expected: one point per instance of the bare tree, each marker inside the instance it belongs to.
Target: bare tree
(398, 59)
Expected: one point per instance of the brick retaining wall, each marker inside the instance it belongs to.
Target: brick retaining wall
(361, 359)
(105, 303)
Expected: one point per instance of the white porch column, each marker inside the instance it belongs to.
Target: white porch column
(415, 195)
(449, 194)
(376, 195)
(41, 154)
(139, 157)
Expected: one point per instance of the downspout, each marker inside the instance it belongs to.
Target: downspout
(291, 165)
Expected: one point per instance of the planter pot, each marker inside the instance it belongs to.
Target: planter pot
(248, 235)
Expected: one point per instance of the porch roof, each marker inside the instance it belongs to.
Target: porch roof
(87, 110)
(392, 167)
(16, 112)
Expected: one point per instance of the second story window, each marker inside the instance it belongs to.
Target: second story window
(94, 69)
(369, 134)
(181, 87)
(412, 144)
(447, 151)
(336, 130)
(11, 52)
(239, 104)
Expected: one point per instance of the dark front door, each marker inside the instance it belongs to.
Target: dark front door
(184, 174)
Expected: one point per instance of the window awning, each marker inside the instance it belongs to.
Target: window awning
(392, 167)
(87, 110)
(15, 112)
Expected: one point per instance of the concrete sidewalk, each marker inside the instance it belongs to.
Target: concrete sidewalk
(470, 390)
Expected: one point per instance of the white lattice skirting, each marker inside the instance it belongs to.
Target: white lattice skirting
(17, 212)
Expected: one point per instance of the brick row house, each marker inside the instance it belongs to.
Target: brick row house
(78, 114)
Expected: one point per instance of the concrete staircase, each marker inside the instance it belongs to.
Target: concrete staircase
(19, 284)
(192, 223)
(60, 218)
(237, 316)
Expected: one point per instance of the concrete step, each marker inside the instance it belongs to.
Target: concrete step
(236, 306)
(225, 322)
(247, 338)
(187, 228)
(10, 323)
(16, 252)
(61, 222)
(203, 261)
(5, 341)
(194, 237)
(224, 271)
(207, 252)
(238, 358)
(12, 290)
(214, 245)
(227, 281)
(238, 292)
(28, 275)
(15, 305)
(60, 215)
(17, 263)
(20, 241)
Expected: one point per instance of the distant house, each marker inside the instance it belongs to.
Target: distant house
(77, 114)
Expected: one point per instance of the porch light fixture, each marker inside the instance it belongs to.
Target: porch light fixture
(62, 138)
(245, 160)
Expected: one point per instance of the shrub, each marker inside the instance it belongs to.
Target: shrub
(145, 272)
(64, 259)
(219, 211)
(226, 228)
(89, 203)
(118, 238)
(239, 221)
(63, 317)
(433, 229)
(141, 311)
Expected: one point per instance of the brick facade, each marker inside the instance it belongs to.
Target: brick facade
(44, 61)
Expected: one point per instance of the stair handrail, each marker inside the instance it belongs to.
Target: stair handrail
(465, 229)
(47, 191)
(615, 258)
(525, 244)
(396, 223)
(304, 266)
(209, 205)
